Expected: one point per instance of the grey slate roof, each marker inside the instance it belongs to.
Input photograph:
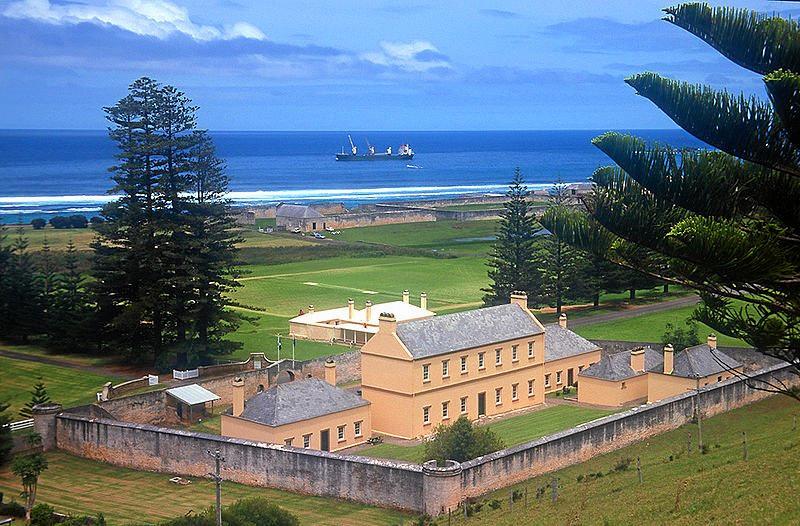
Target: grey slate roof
(617, 366)
(297, 211)
(702, 361)
(299, 400)
(562, 343)
(466, 330)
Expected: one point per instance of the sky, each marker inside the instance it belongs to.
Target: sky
(355, 65)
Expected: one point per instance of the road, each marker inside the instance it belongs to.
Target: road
(685, 301)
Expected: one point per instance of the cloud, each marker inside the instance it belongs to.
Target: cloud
(499, 13)
(416, 56)
(154, 18)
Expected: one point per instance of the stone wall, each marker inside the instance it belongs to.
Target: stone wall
(352, 220)
(382, 482)
(348, 367)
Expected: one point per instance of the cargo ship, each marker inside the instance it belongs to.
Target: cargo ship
(404, 153)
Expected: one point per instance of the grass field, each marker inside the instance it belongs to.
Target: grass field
(469, 238)
(76, 485)
(719, 487)
(67, 386)
(650, 328)
(513, 431)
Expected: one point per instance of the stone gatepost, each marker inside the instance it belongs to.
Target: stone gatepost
(441, 487)
(44, 423)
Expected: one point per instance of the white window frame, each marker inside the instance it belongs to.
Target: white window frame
(446, 410)
(357, 428)
(307, 441)
(426, 372)
(426, 415)
(530, 350)
(531, 390)
(463, 407)
(498, 356)
(340, 432)
(288, 441)
(559, 377)
(498, 396)
(445, 368)
(547, 380)
(514, 392)
(515, 353)
(464, 365)
(481, 360)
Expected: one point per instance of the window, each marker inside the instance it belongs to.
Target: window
(481, 360)
(288, 441)
(580, 368)
(547, 380)
(498, 396)
(719, 378)
(558, 377)
(340, 433)
(426, 414)
(498, 356)
(514, 357)
(357, 428)
(623, 386)
(530, 387)
(463, 364)
(445, 410)
(463, 405)
(530, 349)
(306, 441)
(514, 391)
(426, 372)
(445, 368)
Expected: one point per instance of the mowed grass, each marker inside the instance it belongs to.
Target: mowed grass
(514, 430)
(76, 485)
(719, 487)
(67, 386)
(466, 238)
(651, 328)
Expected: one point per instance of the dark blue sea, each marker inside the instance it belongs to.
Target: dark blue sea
(47, 172)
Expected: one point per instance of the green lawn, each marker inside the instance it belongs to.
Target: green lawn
(77, 485)
(719, 487)
(69, 387)
(453, 237)
(513, 431)
(650, 328)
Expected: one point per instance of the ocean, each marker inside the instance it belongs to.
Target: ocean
(49, 172)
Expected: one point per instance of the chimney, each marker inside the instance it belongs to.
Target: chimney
(387, 323)
(423, 301)
(330, 371)
(238, 396)
(351, 308)
(637, 360)
(712, 341)
(310, 308)
(520, 298)
(368, 307)
(668, 358)
(405, 296)
(562, 320)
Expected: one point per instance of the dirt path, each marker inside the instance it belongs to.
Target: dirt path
(118, 371)
(685, 301)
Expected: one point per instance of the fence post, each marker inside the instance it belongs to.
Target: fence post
(526, 496)
(554, 488)
(744, 444)
(510, 500)
(639, 469)
(689, 443)
(794, 423)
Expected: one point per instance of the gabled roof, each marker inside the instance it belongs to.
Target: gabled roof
(466, 330)
(402, 312)
(563, 343)
(701, 361)
(297, 211)
(192, 394)
(299, 400)
(617, 366)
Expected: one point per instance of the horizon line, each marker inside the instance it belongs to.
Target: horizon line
(366, 130)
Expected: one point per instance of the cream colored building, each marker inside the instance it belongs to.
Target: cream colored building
(485, 362)
(645, 375)
(309, 413)
(350, 325)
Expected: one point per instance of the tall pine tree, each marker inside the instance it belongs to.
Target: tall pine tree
(512, 261)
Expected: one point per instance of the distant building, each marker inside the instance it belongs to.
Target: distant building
(485, 362)
(304, 217)
(647, 375)
(309, 413)
(349, 325)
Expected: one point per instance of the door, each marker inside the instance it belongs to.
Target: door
(314, 225)
(325, 440)
(570, 378)
(481, 404)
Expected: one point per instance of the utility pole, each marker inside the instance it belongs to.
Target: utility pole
(218, 459)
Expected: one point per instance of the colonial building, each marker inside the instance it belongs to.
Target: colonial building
(304, 217)
(355, 326)
(485, 362)
(566, 355)
(308, 413)
(643, 374)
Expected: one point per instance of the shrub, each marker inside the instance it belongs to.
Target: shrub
(12, 509)
(96, 220)
(495, 504)
(622, 464)
(43, 515)
(38, 223)
(516, 495)
(461, 441)
(580, 478)
(681, 337)
(257, 511)
(74, 221)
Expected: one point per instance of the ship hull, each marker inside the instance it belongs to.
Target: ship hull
(376, 157)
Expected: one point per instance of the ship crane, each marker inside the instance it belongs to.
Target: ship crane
(352, 146)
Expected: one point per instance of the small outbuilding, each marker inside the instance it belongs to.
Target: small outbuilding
(190, 401)
(304, 217)
(619, 378)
